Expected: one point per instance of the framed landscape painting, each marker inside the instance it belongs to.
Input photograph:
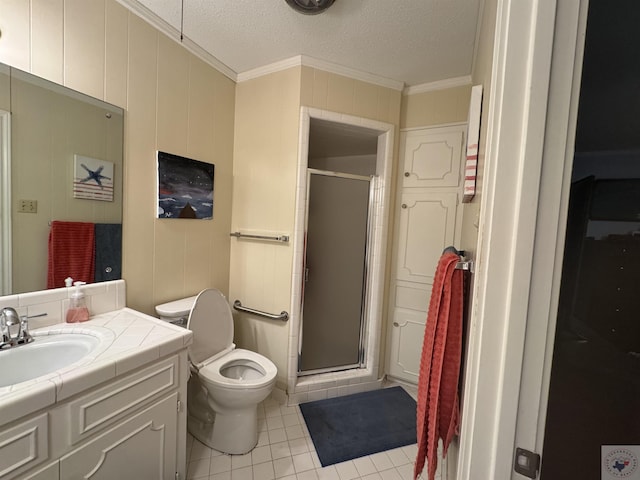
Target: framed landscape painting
(185, 187)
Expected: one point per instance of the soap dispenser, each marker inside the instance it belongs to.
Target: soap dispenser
(78, 311)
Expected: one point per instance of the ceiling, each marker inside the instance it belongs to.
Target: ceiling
(408, 42)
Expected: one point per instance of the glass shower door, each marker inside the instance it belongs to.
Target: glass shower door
(335, 271)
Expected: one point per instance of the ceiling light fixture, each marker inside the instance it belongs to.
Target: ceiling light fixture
(310, 7)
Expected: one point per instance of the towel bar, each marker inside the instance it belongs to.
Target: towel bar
(284, 316)
(465, 265)
(277, 238)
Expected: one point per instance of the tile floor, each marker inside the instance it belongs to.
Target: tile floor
(285, 451)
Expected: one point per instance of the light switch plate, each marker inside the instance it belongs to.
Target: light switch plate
(28, 206)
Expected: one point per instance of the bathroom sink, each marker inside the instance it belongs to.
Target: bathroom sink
(46, 354)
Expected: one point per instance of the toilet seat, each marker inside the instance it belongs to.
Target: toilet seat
(213, 350)
(212, 372)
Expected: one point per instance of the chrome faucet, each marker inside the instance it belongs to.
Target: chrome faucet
(14, 330)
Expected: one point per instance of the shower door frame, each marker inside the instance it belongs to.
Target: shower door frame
(347, 381)
(364, 316)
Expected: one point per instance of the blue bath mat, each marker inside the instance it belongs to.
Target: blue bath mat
(344, 428)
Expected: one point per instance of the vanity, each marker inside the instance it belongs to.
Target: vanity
(116, 412)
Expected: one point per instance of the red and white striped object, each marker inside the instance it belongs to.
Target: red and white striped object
(473, 134)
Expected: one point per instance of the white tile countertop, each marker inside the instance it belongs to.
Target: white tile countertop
(128, 340)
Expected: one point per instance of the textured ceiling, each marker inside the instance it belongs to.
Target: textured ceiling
(410, 41)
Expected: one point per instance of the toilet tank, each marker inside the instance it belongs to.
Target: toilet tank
(176, 311)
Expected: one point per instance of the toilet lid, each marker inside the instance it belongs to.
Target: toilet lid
(211, 322)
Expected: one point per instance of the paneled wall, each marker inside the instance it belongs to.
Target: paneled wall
(329, 91)
(173, 101)
(264, 170)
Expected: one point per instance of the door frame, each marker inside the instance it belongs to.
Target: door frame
(512, 229)
(5, 204)
(377, 261)
(559, 149)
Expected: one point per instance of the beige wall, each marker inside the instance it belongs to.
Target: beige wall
(173, 102)
(5, 99)
(329, 91)
(481, 76)
(438, 107)
(264, 170)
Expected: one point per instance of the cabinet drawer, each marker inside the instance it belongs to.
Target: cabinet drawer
(24, 446)
(102, 407)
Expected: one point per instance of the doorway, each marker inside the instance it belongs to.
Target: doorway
(594, 389)
(331, 152)
(579, 388)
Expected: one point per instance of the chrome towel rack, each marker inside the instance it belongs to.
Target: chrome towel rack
(284, 316)
(276, 238)
(465, 265)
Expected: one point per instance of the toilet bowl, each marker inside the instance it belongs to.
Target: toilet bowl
(226, 383)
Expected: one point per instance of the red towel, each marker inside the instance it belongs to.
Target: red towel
(438, 403)
(71, 252)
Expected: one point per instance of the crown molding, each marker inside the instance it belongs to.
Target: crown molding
(438, 85)
(352, 73)
(304, 60)
(270, 68)
(174, 34)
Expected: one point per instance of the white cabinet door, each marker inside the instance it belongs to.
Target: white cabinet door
(50, 472)
(406, 345)
(431, 157)
(427, 225)
(24, 446)
(141, 447)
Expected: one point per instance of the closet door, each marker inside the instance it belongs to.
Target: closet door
(427, 221)
(426, 226)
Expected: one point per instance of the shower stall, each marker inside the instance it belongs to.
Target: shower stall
(335, 271)
(340, 239)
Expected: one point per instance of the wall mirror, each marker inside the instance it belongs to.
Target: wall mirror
(61, 159)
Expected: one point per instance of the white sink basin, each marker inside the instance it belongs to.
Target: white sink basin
(44, 355)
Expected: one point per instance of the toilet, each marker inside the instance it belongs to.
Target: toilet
(226, 383)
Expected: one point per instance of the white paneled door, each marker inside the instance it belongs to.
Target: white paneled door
(426, 223)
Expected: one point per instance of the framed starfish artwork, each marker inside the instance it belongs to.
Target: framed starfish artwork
(92, 179)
